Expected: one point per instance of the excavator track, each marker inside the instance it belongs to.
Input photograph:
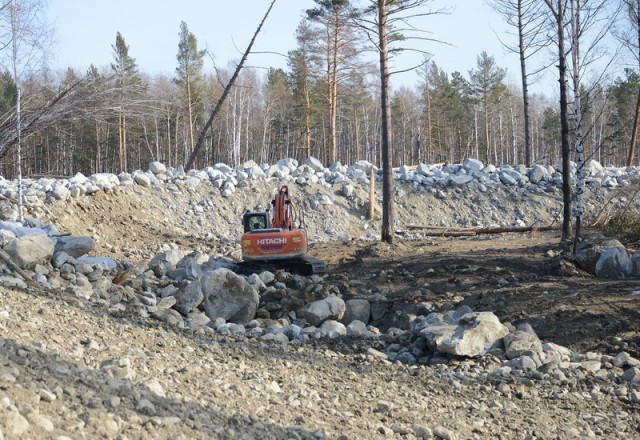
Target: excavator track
(302, 266)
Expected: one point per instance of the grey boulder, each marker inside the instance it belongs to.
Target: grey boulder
(316, 312)
(476, 333)
(75, 246)
(229, 296)
(29, 250)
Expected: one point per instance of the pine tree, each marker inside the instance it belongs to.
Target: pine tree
(127, 77)
(189, 75)
(488, 86)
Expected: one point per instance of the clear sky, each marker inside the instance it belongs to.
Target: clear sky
(85, 30)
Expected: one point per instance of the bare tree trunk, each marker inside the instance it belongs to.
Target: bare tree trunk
(485, 103)
(387, 171)
(575, 53)
(19, 155)
(564, 117)
(636, 119)
(307, 118)
(333, 112)
(190, 110)
(98, 158)
(525, 86)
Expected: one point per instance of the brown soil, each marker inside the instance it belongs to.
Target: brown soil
(182, 385)
(520, 277)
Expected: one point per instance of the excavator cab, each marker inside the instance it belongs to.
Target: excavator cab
(255, 221)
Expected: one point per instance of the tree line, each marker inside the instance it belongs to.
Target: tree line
(325, 104)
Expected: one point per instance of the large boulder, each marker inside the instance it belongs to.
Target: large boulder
(188, 298)
(60, 192)
(476, 333)
(591, 248)
(314, 164)
(472, 165)
(459, 179)
(29, 250)
(614, 263)
(75, 246)
(157, 168)
(142, 179)
(356, 310)
(165, 261)
(521, 343)
(316, 312)
(229, 296)
(107, 264)
(537, 174)
(435, 328)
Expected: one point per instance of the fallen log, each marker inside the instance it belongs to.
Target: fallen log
(440, 231)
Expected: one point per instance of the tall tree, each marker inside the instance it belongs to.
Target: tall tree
(558, 10)
(334, 16)
(126, 71)
(487, 82)
(189, 74)
(529, 20)
(584, 16)
(303, 62)
(380, 19)
(575, 9)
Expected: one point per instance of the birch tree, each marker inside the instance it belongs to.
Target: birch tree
(587, 18)
(25, 37)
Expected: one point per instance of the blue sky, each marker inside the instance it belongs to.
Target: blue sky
(85, 30)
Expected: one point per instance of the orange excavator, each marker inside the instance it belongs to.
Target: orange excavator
(277, 243)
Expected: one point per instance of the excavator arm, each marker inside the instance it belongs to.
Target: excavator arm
(282, 209)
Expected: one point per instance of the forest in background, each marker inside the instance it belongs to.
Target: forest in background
(326, 104)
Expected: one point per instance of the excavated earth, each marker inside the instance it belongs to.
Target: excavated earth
(184, 384)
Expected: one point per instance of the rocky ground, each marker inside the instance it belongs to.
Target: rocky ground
(72, 367)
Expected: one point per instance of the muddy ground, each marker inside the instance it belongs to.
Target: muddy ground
(520, 277)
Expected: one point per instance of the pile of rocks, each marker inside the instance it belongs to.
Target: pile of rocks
(203, 294)
(472, 174)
